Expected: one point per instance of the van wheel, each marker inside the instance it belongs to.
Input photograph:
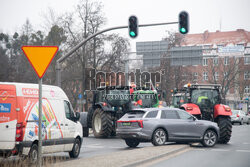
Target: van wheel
(33, 154)
(76, 149)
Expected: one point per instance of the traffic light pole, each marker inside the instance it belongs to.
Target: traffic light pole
(60, 60)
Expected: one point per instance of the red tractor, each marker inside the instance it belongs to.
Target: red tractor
(204, 102)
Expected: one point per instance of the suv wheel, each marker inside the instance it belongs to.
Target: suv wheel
(132, 142)
(209, 138)
(159, 137)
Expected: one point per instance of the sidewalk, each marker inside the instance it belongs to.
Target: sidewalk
(130, 157)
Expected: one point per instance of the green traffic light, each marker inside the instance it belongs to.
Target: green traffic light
(132, 33)
(183, 30)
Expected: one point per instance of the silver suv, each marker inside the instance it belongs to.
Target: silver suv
(159, 125)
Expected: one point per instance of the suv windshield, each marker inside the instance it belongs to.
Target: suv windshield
(210, 96)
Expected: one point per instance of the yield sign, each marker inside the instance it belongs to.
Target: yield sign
(40, 57)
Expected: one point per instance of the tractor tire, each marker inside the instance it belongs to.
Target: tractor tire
(85, 132)
(206, 116)
(89, 117)
(225, 126)
(101, 123)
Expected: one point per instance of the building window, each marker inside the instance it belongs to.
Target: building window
(205, 60)
(247, 59)
(184, 77)
(246, 75)
(216, 76)
(215, 61)
(226, 76)
(226, 60)
(195, 75)
(205, 77)
(247, 89)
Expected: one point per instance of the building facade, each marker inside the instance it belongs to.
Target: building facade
(225, 61)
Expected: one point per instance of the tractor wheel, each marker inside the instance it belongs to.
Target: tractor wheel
(225, 126)
(101, 123)
(85, 131)
(89, 117)
(206, 116)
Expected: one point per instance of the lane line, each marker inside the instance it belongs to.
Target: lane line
(223, 150)
(246, 151)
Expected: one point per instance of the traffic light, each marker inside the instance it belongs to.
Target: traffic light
(183, 22)
(133, 26)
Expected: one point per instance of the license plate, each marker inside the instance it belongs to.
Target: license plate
(126, 123)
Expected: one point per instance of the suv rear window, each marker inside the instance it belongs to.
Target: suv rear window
(134, 114)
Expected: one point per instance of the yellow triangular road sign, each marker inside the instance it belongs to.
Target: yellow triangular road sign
(40, 57)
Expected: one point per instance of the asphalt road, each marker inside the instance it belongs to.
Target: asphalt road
(234, 154)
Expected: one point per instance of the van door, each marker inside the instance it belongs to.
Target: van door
(8, 116)
(69, 126)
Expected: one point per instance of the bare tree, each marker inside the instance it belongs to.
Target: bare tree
(173, 76)
(225, 73)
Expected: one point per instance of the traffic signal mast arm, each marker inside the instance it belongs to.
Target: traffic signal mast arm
(60, 60)
(106, 30)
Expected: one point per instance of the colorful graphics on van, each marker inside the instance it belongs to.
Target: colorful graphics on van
(50, 126)
(5, 107)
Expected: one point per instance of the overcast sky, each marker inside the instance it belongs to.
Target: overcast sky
(204, 14)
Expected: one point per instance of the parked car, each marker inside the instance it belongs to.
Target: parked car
(248, 118)
(61, 129)
(239, 116)
(159, 125)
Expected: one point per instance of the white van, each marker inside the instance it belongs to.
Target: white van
(61, 130)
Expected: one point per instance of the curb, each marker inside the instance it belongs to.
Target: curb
(156, 157)
(126, 158)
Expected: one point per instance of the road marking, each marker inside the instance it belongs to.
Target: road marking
(218, 150)
(115, 147)
(245, 143)
(200, 149)
(94, 146)
(247, 151)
